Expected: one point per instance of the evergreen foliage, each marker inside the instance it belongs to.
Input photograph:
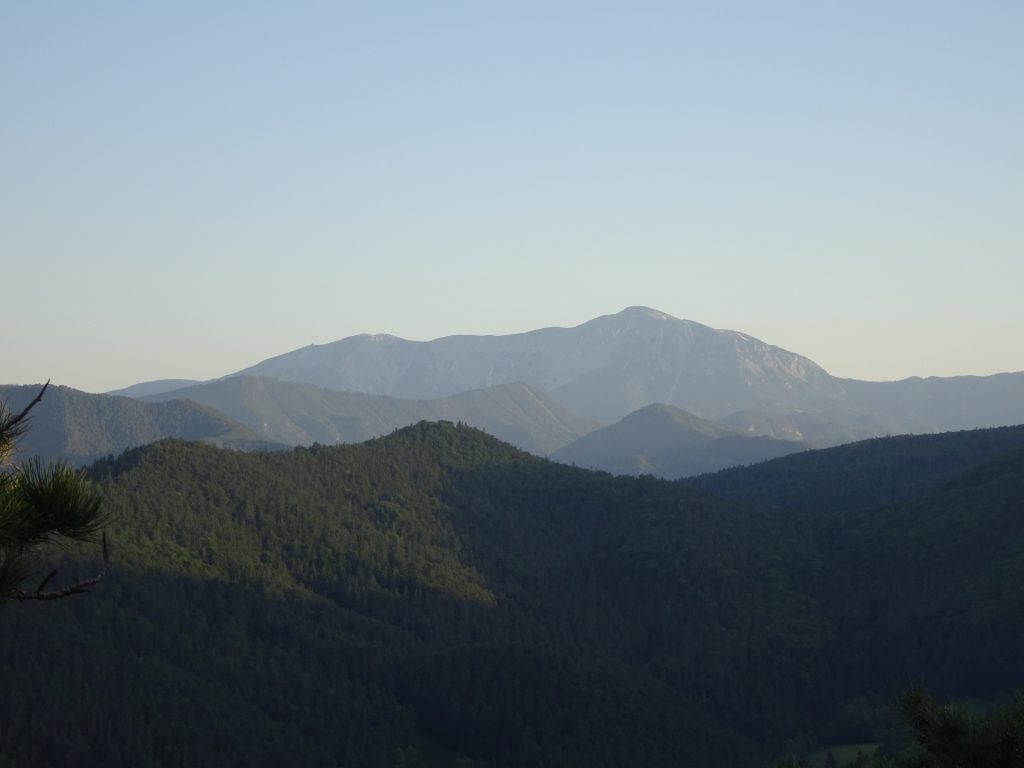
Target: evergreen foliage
(949, 737)
(436, 596)
(39, 504)
(862, 475)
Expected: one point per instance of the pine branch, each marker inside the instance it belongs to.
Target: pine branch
(13, 427)
(78, 588)
(46, 581)
(15, 420)
(35, 401)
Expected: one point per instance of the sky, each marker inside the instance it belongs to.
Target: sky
(188, 188)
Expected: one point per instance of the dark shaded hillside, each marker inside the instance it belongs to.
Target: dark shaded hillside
(162, 668)
(439, 592)
(666, 442)
(946, 570)
(302, 414)
(80, 427)
(862, 475)
(384, 577)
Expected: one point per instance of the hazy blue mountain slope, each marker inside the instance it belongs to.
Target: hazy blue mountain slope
(613, 365)
(80, 427)
(943, 404)
(667, 442)
(862, 475)
(819, 430)
(302, 414)
(155, 387)
(601, 370)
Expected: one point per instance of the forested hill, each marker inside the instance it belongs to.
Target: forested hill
(956, 559)
(664, 441)
(861, 475)
(439, 594)
(327, 606)
(80, 427)
(301, 414)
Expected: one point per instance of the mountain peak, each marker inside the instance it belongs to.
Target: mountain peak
(663, 440)
(641, 311)
(663, 414)
(601, 370)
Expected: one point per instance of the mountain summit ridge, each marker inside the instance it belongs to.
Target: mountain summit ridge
(613, 365)
(602, 369)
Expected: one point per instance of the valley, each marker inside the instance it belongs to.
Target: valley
(489, 577)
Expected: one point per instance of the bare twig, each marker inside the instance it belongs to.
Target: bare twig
(13, 422)
(46, 581)
(78, 588)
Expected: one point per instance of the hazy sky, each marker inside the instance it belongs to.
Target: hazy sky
(187, 188)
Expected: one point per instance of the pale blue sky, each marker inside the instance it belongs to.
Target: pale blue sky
(187, 188)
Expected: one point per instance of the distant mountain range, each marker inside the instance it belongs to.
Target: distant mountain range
(257, 413)
(613, 365)
(601, 370)
(80, 427)
(260, 413)
(540, 391)
(667, 442)
(301, 414)
(940, 404)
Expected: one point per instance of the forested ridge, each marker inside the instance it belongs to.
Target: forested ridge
(861, 475)
(79, 427)
(666, 442)
(436, 595)
(295, 413)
